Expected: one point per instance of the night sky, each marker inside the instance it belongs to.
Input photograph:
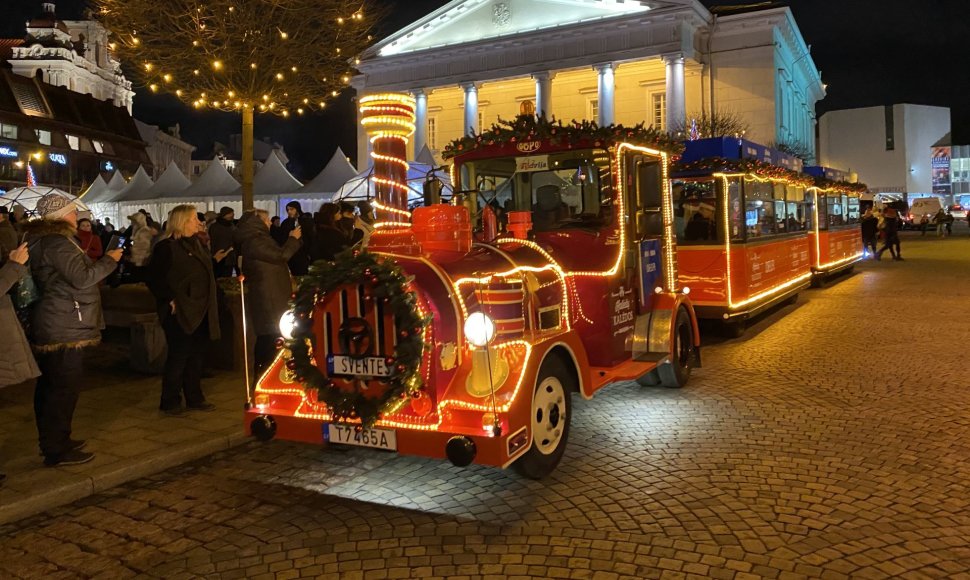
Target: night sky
(870, 52)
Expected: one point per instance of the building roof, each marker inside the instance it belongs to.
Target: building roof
(6, 44)
(215, 181)
(337, 172)
(945, 141)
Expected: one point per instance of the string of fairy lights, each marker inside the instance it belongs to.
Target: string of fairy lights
(282, 58)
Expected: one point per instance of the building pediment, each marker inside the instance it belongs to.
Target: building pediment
(466, 21)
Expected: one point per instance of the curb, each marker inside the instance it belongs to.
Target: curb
(116, 475)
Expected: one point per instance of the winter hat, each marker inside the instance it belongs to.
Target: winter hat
(225, 211)
(54, 207)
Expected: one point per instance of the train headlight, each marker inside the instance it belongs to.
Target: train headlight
(287, 325)
(479, 329)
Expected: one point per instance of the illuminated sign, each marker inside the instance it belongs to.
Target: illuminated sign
(58, 158)
(7, 152)
(529, 146)
(109, 166)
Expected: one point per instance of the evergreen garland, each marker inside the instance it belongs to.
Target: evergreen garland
(752, 166)
(530, 128)
(383, 280)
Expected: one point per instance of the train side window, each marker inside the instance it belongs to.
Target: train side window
(823, 212)
(736, 216)
(759, 212)
(648, 205)
(696, 211)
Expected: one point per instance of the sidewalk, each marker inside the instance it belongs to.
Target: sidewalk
(118, 416)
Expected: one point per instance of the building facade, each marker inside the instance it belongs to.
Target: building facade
(66, 138)
(889, 146)
(475, 61)
(74, 54)
(165, 147)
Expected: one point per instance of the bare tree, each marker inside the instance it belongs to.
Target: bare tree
(794, 149)
(283, 57)
(720, 123)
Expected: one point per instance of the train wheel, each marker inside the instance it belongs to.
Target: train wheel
(734, 329)
(551, 412)
(649, 379)
(675, 374)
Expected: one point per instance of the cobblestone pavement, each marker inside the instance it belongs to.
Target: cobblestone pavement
(831, 441)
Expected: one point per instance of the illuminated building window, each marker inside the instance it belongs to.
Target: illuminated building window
(74, 142)
(8, 131)
(44, 137)
(593, 109)
(658, 110)
(98, 146)
(432, 132)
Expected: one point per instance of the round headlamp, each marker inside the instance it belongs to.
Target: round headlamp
(287, 325)
(479, 329)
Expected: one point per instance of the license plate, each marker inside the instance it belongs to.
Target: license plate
(374, 438)
(370, 366)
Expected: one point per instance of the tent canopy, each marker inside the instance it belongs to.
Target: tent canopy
(95, 189)
(139, 184)
(272, 178)
(215, 181)
(104, 195)
(337, 172)
(170, 183)
(361, 187)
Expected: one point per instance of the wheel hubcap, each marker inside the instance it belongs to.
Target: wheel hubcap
(548, 415)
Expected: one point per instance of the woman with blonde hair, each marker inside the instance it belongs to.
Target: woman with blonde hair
(184, 286)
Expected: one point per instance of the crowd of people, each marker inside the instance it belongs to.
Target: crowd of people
(55, 264)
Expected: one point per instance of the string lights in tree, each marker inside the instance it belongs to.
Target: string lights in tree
(281, 57)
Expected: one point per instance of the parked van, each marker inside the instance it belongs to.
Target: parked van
(922, 210)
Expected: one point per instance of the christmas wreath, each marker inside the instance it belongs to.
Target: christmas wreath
(353, 400)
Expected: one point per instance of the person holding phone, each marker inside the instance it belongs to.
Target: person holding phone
(65, 321)
(17, 364)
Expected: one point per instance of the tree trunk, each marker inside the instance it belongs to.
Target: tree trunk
(247, 158)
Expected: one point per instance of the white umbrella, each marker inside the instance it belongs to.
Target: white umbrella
(27, 197)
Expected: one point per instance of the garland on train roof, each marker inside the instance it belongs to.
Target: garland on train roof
(383, 279)
(748, 166)
(857, 188)
(530, 128)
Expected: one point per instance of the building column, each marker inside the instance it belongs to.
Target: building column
(676, 95)
(543, 94)
(364, 146)
(606, 95)
(471, 108)
(420, 138)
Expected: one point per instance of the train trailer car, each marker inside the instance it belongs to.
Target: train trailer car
(836, 240)
(444, 343)
(743, 215)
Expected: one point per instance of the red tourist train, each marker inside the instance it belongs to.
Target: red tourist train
(753, 230)
(438, 342)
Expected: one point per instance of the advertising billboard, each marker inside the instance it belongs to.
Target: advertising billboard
(940, 164)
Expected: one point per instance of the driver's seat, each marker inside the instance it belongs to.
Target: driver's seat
(548, 209)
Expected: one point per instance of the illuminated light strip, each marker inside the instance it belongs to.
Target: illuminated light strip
(531, 269)
(391, 225)
(394, 97)
(389, 135)
(390, 159)
(732, 305)
(830, 265)
(393, 210)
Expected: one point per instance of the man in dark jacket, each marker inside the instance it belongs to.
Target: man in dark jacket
(890, 234)
(221, 234)
(870, 233)
(300, 262)
(268, 285)
(65, 321)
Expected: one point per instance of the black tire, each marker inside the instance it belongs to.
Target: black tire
(734, 328)
(649, 379)
(791, 300)
(676, 373)
(552, 410)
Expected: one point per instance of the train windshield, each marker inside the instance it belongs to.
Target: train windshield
(563, 190)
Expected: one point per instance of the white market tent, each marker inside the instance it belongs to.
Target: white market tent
(322, 188)
(361, 187)
(270, 181)
(170, 183)
(99, 200)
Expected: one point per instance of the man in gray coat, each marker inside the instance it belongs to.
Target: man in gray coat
(66, 320)
(264, 263)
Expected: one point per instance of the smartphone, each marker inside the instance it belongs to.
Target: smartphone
(116, 242)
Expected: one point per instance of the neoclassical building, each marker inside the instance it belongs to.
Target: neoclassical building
(626, 61)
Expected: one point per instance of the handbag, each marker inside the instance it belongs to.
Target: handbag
(25, 293)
